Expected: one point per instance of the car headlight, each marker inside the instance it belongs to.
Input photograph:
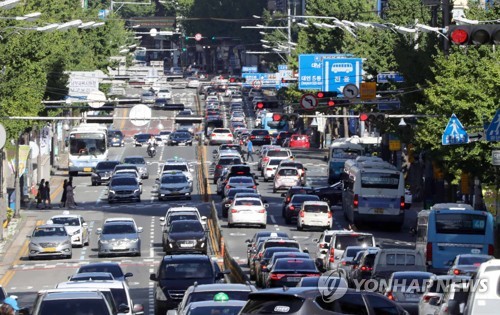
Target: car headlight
(137, 191)
(134, 240)
(34, 244)
(70, 163)
(103, 241)
(112, 192)
(160, 296)
(201, 240)
(67, 242)
(77, 232)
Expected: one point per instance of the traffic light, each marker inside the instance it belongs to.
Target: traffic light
(214, 38)
(260, 105)
(481, 34)
(331, 103)
(372, 117)
(184, 49)
(186, 37)
(322, 94)
(276, 116)
(363, 117)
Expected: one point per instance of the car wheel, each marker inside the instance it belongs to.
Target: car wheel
(300, 228)
(263, 226)
(274, 190)
(189, 197)
(224, 212)
(69, 256)
(87, 242)
(215, 181)
(160, 310)
(93, 183)
(230, 225)
(288, 220)
(110, 201)
(266, 180)
(73, 173)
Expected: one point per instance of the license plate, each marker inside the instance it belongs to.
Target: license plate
(49, 249)
(294, 279)
(87, 169)
(175, 193)
(182, 143)
(410, 296)
(379, 211)
(186, 245)
(120, 248)
(475, 251)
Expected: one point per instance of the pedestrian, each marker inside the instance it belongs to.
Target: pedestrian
(64, 193)
(47, 203)
(249, 150)
(41, 186)
(9, 306)
(43, 195)
(70, 196)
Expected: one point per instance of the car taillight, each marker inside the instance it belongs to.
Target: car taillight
(322, 245)
(254, 187)
(234, 211)
(263, 267)
(332, 258)
(491, 249)
(402, 203)
(228, 186)
(278, 177)
(260, 255)
(355, 202)
(301, 214)
(218, 166)
(230, 135)
(426, 298)
(277, 276)
(269, 169)
(265, 159)
(267, 137)
(428, 253)
(287, 199)
(343, 263)
(390, 296)
(313, 275)
(456, 272)
(365, 268)
(262, 211)
(292, 207)
(329, 214)
(252, 137)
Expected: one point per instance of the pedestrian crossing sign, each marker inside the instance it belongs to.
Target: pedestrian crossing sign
(454, 133)
(493, 130)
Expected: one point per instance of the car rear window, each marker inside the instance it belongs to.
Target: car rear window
(281, 244)
(260, 132)
(221, 131)
(302, 198)
(278, 154)
(247, 202)
(342, 241)
(209, 296)
(295, 264)
(272, 304)
(400, 259)
(243, 180)
(352, 252)
(471, 260)
(274, 162)
(316, 208)
(288, 172)
(229, 161)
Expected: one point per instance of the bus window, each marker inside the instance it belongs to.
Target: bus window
(457, 223)
(380, 180)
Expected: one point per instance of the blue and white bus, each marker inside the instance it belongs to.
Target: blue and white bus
(340, 151)
(373, 192)
(88, 145)
(447, 230)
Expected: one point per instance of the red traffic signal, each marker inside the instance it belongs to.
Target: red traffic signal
(232, 80)
(320, 95)
(363, 117)
(260, 105)
(276, 117)
(331, 103)
(481, 34)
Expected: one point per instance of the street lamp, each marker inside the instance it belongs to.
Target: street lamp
(9, 4)
(27, 17)
(68, 25)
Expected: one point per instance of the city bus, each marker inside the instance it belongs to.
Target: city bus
(447, 230)
(373, 192)
(88, 145)
(340, 151)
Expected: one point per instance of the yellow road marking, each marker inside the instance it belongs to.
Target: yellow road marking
(122, 121)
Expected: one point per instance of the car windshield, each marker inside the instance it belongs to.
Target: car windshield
(181, 217)
(416, 282)
(221, 131)
(316, 208)
(172, 179)
(277, 154)
(186, 270)
(470, 260)
(295, 264)
(70, 306)
(215, 310)
(248, 202)
(143, 137)
(342, 241)
(134, 160)
(115, 270)
(352, 252)
(180, 135)
(118, 229)
(115, 134)
(81, 277)
(49, 231)
(101, 166)
(186, 226)
(260, 132)
(123, 181)
(69, 221)
(299, 199)
(240, 180)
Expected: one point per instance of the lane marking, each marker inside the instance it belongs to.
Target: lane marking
(273, 220)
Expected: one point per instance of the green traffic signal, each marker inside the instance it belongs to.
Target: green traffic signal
(183, 49)
(213, 38)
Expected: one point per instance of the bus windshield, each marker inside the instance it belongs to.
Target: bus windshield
(460, 223)
(87, 144)
(380, 180)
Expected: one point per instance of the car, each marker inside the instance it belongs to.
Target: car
(164, 93)
(340, 240)
(456, 299)
(239, 182)
(260, 137)
(314, 214)
(252, 243)
(102, 172)
(288, 272)
(343, 266)
(224, 162)
(220, 305)
(248, 211)
(406, 288)
(269, 168)
(186, 236)
(183, 210)
(262, 266)
(174, 184)
(390, 260)
(147, 97)
(467, 264)
(177, 216)
(60, 301)
(49, 240)
(299, 166)
(118, 238)
(282, 154)
(165, 135)
(286, 177)
(287, 196)
(262, 152)
(299, 141)
(175, 274)
(76, 227)
(140, 162)
(141, 139)
(408, 198)
(292, 209)
(238, 117)
(180, 137)
(282, 135)
(306, 301)
(228, 200)
(331, 194)
(220, 136)
(192, 82)
(228, 146)
(124, 188)
(437, 286)
(105, 267)
(266, 243)
(178, 164)
(91, 276)
(116, 138)
(127, 169)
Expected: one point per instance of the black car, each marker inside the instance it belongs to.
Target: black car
(260, 137)
(331, 194)
(261, 269)
(115, 138)
(292, 191)
(111, 267)
(252, 243)
(185, 236)
(293, 207)
(102, 172)
(282, 136)
(177, 273)
(228, 200)
(180, 138)
(288, 272)
(306, 301)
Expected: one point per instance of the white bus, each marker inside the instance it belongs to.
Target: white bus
(341, 150)
(88, 145)
(373, 192)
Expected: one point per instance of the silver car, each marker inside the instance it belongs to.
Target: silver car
(50, 240)
(141, 164)
(174, 184)
(124, 187)
(118, 238)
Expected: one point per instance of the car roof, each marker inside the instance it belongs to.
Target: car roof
(182, 208)
(303, 292)
(185, 257)
(101, 264)
(119, 219)
(67, 216)
(249, 198)
(412, 273)
(119, 223)
(91, 284)
(90, 274)
(316, 202)
(221, 287)
(64, 294)
(216, 303)
(44, 226)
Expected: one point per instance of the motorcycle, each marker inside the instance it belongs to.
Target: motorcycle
(151, 150)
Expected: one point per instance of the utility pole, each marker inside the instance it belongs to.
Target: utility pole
(17, 188)
(289, 30)
(446, 23)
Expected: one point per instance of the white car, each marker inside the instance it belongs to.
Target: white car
(314, 214)
(408, 199)
(239, 116)
(75, 226)
(165, 135)
(193, 82)
(178, 165)
(249, 211)
(286, 177)
(163, 93)
(269, 169)
(221, 135)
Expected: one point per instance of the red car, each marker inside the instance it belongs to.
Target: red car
(299, 141)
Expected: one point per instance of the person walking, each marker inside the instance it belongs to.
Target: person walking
(70, 196)
(64, 193)
(41, 187)
(47, 203)
(249, 150)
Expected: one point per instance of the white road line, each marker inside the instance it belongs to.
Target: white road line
(273, 220)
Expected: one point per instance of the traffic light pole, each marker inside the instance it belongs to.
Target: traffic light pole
(446, 23)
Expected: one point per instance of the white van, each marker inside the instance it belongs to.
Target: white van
(484, 296)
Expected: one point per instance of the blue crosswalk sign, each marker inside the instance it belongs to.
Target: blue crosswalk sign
(493, 130)
(454, 132)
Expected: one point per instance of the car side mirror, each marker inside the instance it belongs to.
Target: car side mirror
(98, 231)
(256, 176)
(306, 251)
(434, 300)
(123, 308)
(305, 168)
(153, 277)
(138, 309)
(84, 224)
(139, 230)
(315, 240)
(228, 205)
(248, 241)
(157, 180)
(283, 194)
(128, 274)
(162, 219)
(214, 152)
(204, 218)
(325, 158)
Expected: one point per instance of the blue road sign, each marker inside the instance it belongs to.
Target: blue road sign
(250, 69)
(311, 72)
(265, 79)
(103, 14)
(389, 105)
(339, 72)
(386, 77)
(493, 131)
(454, 133)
